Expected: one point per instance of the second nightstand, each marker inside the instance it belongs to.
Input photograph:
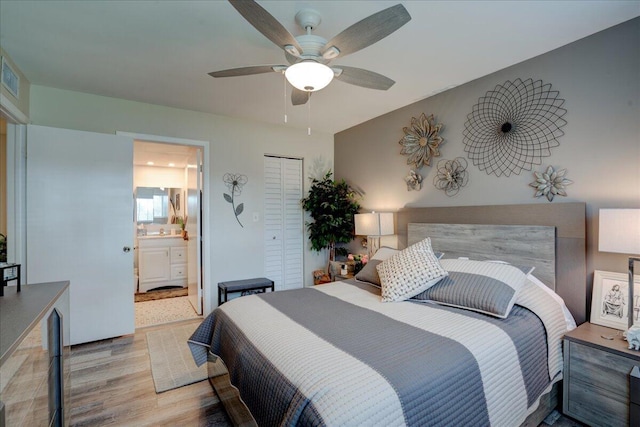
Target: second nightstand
(597, 376)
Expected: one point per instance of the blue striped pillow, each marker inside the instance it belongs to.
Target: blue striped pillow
(486, 287)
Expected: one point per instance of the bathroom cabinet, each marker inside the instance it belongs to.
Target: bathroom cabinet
(162, 261)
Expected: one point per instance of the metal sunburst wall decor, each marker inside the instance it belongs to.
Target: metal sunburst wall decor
(451, 176)
(421, 142)
(513, 126)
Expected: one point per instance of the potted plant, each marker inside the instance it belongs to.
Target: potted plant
(332, 205)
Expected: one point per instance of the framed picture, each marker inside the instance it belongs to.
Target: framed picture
(610, 303)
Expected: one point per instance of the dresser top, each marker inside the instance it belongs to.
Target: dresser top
(594, 336)
(21, 311)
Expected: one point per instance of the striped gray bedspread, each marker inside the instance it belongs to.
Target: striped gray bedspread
(335, 355)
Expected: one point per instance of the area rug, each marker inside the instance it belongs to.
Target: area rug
(160, 294)
(171, 363)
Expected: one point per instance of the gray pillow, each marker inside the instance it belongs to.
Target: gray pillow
(369, 273)
(486, 287)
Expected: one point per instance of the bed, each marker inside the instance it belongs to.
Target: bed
(336, 354)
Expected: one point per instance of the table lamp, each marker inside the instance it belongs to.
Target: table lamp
(373, 225)
(620, 233)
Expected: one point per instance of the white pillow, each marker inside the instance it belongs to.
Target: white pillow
(409, 272)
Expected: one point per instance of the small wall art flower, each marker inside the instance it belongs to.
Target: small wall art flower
(421, 141)
(413, 180)
(452, 175)
(513, 126)
(550, 183)
(235, 182)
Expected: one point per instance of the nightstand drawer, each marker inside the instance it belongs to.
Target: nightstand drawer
(602, 370)
(596, 406)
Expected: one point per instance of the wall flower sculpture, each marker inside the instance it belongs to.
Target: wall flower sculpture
(550, 183)
(235, 182)
(413, 180)
(421, 141)
(513, 126)
(451, 176)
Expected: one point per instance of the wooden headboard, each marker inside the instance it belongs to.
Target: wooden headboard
(568, 219)
(526, 245)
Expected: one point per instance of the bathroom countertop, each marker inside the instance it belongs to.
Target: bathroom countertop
(158, 236)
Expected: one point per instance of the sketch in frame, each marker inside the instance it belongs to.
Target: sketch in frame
(610, 303)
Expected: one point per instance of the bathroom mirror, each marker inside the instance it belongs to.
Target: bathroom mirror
(156, 205)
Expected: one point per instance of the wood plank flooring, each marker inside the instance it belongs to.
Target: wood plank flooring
(111, 384)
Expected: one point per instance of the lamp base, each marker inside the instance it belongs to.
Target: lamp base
(373, 244)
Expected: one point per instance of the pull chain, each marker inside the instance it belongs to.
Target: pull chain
(308, 113)
(284, 79)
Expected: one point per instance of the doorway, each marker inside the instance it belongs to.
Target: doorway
(168, 270)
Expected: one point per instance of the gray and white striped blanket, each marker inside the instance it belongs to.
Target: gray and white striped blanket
(335, 355)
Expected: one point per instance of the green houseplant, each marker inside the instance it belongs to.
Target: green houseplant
(332, 205)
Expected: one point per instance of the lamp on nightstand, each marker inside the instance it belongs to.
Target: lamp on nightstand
(620, 233)
(373, 225)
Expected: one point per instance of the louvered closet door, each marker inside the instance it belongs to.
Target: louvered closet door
(283, 222)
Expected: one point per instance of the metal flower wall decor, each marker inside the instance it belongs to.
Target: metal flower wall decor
(550, 183)
(235, 182)
(413, 180)
(513, 126)
(421, 141)
(451, 176)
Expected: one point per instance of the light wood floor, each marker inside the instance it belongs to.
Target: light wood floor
(111, 385)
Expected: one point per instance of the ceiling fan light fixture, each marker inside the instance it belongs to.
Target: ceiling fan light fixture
(309, 76)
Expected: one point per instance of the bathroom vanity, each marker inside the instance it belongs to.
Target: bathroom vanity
(162, 261)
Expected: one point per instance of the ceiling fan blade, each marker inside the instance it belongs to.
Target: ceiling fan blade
(264, 22)
(364, 78)
(368, 31)
(299, 97)
(246, 71)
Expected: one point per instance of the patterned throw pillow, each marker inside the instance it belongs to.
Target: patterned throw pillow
(409, 272)
(486, 287)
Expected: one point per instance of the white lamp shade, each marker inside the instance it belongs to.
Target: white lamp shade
(309, 76)
(374, 224)
(619, 231)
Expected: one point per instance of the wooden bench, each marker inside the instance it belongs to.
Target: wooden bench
(257, 284)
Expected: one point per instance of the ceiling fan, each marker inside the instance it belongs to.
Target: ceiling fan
(308, 55)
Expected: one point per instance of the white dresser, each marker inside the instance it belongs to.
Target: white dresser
(162, 261)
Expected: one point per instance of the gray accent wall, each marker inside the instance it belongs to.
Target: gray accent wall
(599, 78)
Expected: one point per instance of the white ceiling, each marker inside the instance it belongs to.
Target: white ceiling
(160, 52)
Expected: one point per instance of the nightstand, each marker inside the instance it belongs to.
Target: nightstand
(597, 380)
(339, 277)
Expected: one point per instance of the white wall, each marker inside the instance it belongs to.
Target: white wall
(236, 146)
(598, 77)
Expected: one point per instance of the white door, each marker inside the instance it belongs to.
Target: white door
(283, 222)
(80, 225)
(194, 230)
